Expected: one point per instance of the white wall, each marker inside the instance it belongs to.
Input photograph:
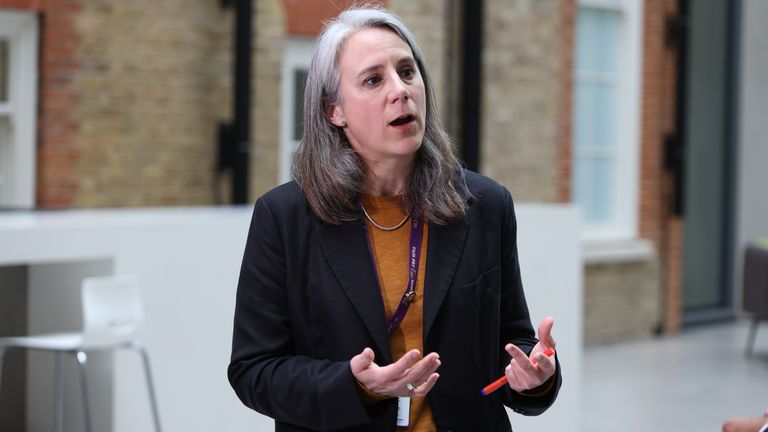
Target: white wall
(189, 260)
(549, 243)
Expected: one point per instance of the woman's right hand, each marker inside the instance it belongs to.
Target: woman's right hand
(393, 380)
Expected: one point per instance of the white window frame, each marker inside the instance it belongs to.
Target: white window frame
(17, 165)
(298, 53)
(627, 156)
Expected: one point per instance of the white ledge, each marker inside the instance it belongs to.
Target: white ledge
(616, 250)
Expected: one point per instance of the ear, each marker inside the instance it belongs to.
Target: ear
(336, 115)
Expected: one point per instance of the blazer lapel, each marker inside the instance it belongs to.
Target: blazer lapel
(446, 243)
(347, 253)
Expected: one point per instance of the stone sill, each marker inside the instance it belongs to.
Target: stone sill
(606, 251)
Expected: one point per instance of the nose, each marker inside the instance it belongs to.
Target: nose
(399, 90)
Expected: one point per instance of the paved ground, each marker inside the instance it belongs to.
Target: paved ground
(689, 382)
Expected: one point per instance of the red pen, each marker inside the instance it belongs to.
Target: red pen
(492, 387)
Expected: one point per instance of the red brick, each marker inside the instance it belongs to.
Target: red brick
(305, 17)
(656, 221)
(20, 4)
(59, 68)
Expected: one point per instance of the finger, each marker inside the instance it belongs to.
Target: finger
(397, 370)
(517, 353)
(545, 332)
(521, 359)
(512, 377)
(362, 361)
(545, 364)
(423, 369)
(523, 375)
(540, 350)
(423, 389)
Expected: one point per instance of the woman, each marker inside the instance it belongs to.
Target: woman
(383, 249)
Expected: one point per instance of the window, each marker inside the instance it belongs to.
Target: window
(298, 54)
(18, 96)
(606, 114)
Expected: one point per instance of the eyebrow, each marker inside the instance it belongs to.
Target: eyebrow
(377, 66)
(370, 69)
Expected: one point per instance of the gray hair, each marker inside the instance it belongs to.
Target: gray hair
(330, 172)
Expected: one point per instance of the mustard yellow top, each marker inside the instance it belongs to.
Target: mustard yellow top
(390, 252)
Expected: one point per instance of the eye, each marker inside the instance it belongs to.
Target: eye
(407, 72)
(372, 80)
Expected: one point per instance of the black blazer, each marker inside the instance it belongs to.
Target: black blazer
(308, 301)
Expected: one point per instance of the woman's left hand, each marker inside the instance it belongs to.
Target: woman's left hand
(526, 373)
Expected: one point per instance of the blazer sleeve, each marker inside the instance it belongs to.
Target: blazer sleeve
(516, 322)
(265, 371)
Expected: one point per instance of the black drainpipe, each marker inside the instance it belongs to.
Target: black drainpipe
(674, 143)
(234, 136)
(471, 88)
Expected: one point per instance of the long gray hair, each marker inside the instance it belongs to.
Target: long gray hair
(330, 172)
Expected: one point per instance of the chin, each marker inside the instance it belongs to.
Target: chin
(410, 146)
(414, 141)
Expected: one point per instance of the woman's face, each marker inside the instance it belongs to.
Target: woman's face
(382, 99)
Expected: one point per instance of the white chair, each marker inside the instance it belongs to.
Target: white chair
(111, 315)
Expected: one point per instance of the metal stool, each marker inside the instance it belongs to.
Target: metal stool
(111, 315)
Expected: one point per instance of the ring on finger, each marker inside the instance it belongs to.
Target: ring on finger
(410, 387)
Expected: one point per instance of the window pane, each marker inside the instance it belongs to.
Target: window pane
(593, 188)
(583, 117)
(597, 37)
(605, 120)
(4, 73)
(299, 81)
(595, 118)
(595, 115)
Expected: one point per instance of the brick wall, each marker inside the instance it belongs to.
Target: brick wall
(428, 20)
(625, 301)
(673, 277)
(523, 89)
(306, 17)
(567, 35)
(58, 154)
(621, 301)
(270, 33)
(130, 94)
(153, 87)
(657, 222)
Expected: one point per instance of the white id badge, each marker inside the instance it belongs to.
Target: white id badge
(403, 411)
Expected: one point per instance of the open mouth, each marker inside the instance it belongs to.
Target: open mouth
(402, 120)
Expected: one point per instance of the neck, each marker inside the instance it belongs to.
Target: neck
(387, 179)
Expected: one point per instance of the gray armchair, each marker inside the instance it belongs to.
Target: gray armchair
(756, 287)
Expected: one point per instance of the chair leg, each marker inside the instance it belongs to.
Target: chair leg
(751, 336)
(58, 394)
(138, 347)
(82, 358)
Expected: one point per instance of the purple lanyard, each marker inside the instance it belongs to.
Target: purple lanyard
(414, 254)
